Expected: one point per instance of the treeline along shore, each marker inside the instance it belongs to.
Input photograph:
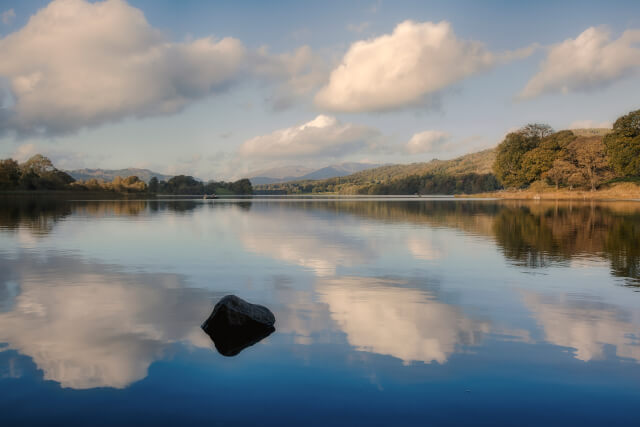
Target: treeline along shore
(39, 175)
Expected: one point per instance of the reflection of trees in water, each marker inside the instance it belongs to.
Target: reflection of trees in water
(536, 235)
(531, 234)
(469, 215)
(39, 215)
(623, 249)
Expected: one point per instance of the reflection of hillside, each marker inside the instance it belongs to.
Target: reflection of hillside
(468, 215)
(586, 326)
(86, 325)
(409, 324)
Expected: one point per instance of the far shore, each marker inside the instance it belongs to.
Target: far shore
(616, 191)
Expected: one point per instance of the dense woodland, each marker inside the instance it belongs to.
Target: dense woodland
(183, 184)
(536, 153)
(39, 174)
(412, 184)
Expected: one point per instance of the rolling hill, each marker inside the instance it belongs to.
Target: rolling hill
(107, 175)
(301, 173)
(469, 172)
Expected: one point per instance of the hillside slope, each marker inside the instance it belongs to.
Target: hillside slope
(300, 173)
(480, 162)
(108, 175)
(470, 172)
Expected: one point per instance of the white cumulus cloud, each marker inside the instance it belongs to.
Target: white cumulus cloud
(322, 136)
(403, 68)
(590, 61)
(427, 141)
(79, 64)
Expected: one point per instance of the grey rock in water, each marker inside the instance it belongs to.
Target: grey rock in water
(233, 311)
(236, 324)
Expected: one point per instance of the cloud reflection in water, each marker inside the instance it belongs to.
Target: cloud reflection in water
(89, 326)
(379, 316)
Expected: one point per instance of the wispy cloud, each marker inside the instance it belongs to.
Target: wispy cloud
(428, 141)
(324, 136)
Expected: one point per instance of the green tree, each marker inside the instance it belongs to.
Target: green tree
(38, 164)
(38, 173)
(153, 185)
(538, 161)
(623, 145)
(9, 174)
(242, 186)
(509, 157)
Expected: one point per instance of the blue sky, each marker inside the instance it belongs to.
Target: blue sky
(220, 89)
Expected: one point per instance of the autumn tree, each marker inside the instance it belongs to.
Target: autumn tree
(582, 163)
(588, 155)
(623, 145)
(560, 172)
(538, 161)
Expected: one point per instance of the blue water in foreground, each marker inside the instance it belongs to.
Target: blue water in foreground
(388, 312)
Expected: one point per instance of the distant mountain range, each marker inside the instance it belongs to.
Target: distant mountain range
(107, 175)
(301, 173)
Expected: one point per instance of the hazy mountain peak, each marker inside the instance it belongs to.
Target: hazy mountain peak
(108, 175)
(295, 173)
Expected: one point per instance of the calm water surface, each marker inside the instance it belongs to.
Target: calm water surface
(389, 312)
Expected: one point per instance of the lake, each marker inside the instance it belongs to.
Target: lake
(389, 311)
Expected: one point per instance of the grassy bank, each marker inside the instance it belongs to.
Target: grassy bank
(614, 191)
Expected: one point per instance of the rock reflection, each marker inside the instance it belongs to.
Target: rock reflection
(410, 324)
(586, 326)
(231, 343)
(235, 324)
(88, 325)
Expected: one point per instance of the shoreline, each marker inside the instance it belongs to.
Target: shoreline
(618, 191)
